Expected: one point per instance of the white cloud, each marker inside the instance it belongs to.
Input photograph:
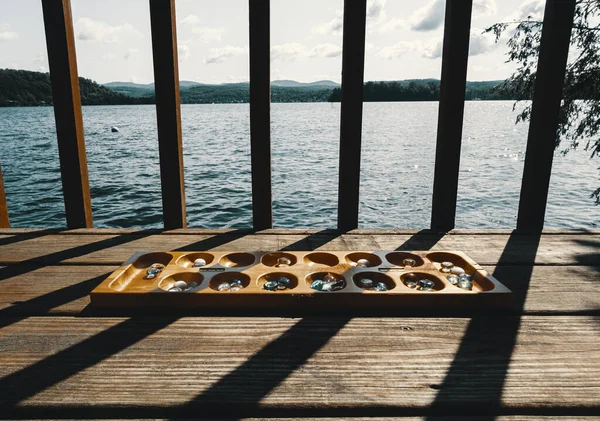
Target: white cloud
(93, 30)
(375, 13)
(484, 8)
(326, 50)
(431, 49)
(395, 51)
(219, 55)
(333, 27)
(41, 61)
(8, 36)
(207, 35)
(130, 52)
(190, 20)
(431, 16)
(428, 17)
(393, 25)
(479, 43)
(183, 51)
(5, 34)
(375, 10)
(287, 52)
(533, 8)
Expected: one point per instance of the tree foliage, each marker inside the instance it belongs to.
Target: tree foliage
(25, 88)
(579, 120)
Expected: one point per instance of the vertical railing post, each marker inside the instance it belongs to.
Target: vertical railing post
(353, 70)
(60, 43)
(4, 222)
(455, 56)
(543, 126)
(260, 113)
(168, 112)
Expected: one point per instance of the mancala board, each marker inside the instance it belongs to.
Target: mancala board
(181, 285)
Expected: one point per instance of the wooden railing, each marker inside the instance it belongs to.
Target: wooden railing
(558, 21)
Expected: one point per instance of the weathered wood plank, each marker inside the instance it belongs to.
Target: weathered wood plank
(260, 113)
(391, 366)
(60, 42)
(353, 71)
(65, 289)
(284, 231)
(168, 113)
(541, 141)
(455, 56)
(4, 221)
(561, 249)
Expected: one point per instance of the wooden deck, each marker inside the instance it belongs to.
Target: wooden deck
(60, 359)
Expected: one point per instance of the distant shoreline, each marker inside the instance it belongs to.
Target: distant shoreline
(239, 103)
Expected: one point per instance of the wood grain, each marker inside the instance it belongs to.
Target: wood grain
(65, 289)
(563, 249)
(455, 57)
(66, 99)
(168, 112)
(394, 365)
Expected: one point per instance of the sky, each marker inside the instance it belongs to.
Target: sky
(404, 39)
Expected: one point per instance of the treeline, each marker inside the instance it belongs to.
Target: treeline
(19, 88)
(240, 93)
(428, 90)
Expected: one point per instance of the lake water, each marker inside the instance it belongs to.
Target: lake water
(396, 179)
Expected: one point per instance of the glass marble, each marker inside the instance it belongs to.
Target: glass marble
(175, 289)
(411, 284)
(447, 267)
(457, 270)
(327, 287)
(236, 282)
(409, 262)
(425, 284)
(362, 262)
(152, 272)
(366, 283)
(270, 285)
(235, 288)
(329, 278)
(465, 277)
(381, 286)
(225, 286)
(158, 266)
(284, 282)
(453, 279)
(180, 284)
(283, 261)
(465, 284)
(317, 285)
(336, 286)
(199, 263)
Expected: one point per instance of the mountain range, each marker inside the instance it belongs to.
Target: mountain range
(26, 88)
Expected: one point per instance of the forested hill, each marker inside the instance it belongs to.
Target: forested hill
(424, 90)
(25, 88)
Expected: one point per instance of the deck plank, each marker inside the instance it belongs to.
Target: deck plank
(562, 249)
(172, 366)
(65, 289)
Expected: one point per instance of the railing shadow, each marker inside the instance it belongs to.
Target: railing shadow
(17, 238)
(476, 377)
(422, 240)
(35, 263)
